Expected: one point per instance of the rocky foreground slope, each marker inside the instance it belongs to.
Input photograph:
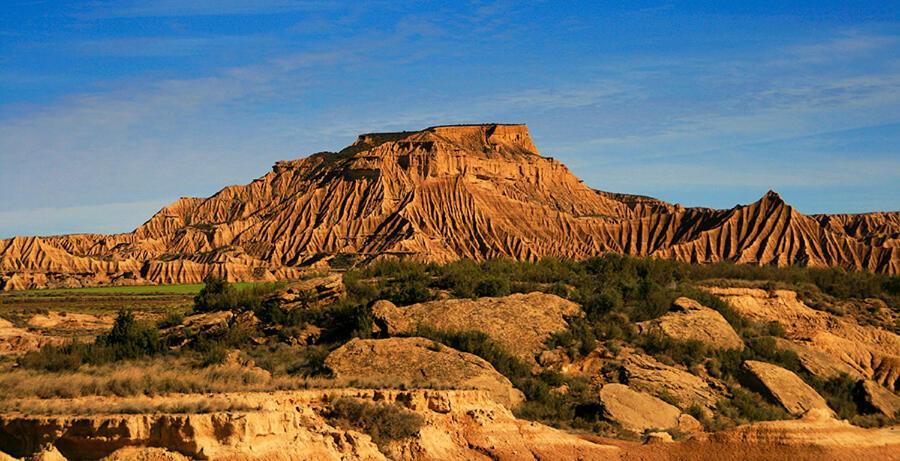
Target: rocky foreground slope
(457, 425)
(440, 194)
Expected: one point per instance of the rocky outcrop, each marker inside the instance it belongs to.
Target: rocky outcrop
(784, 387)
(644, 373)
(14, 340)
(815, 361)
(868, 351)
(70, 321)
(877, 399)
(417, 362)
(816, 429)
(457, 425)
(638, 412)
(311, 293)
(690, 320)
(145, 454)
(439, 194)
(520, 322)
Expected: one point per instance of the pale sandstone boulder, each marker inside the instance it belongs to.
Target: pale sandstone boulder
(519, 322)
(784, 387)
(880, 399)
(869, 351)
(638, 411)
(417, 362)
(816, 361)
(690, 320)
(644, 373)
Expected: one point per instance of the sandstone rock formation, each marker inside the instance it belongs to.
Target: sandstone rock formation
(689, 320)
(879, 399)
(440, 194)
(458, 425)
(816, 362)
(784, 387)
(70, 321)
(519, 322)
(313, 292)
(417, 362)
(644, 373)
(816, 429)
(638, 412)
(868, 351)
(14, 340)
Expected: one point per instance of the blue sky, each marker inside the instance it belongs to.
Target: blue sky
(109, 110)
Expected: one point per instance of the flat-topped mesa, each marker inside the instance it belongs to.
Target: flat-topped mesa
(438, 194)
(510, 138)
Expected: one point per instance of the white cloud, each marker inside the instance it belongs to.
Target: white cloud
(171, 8)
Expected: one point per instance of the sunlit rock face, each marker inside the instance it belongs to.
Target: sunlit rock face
(439, 194)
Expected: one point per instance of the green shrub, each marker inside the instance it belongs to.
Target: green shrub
(746, 406)
(219, 295)
(492, 286)
(128, 339)
(383, 422)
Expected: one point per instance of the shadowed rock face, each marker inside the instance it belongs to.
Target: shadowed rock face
(440, 194)
(784, 387)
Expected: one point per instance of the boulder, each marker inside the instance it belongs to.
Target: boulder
(49, 453)
(690, 320)
(783, 387)
(208, 324)
(871, 352)
(419, 362)
(644, 373)
(815, 361)
(658, 437)
(878, 399)
(519, 322)
(637, 411)
(310, 293)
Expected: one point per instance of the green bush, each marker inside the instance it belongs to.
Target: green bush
(747, 406)
(128, 339)
(383, 422)
(219, 295)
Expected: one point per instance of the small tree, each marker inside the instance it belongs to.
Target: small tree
(216, 295)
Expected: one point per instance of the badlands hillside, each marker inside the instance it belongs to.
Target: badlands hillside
(608, 358)
(440, 194)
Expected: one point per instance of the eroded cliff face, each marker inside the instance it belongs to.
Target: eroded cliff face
(457, 425)
(440, 194)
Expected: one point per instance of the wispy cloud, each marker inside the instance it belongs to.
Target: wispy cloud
(172, 8)
(167, 46)
(847, 46)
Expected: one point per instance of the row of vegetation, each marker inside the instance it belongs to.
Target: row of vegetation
(615, 292)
